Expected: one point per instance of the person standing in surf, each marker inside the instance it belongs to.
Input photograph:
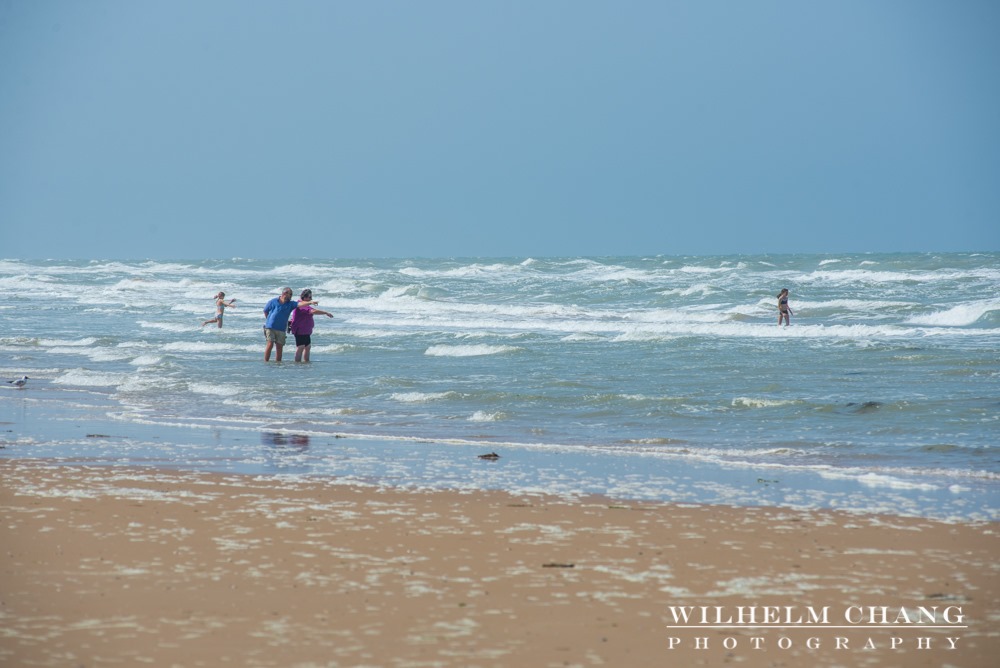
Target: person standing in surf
(783, 309)
(277, 312)
(301, 325)
(220, 309)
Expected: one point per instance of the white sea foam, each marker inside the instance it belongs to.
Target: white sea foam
(106, 355)
(336, 286)
(758, 402)
(94, 354)
(143, 383)
(707, 270)
(581, 336)
(420, 397)
(263, 406)
(459, 272)
(331, 348)
(960, 315)
(13, 372)
(313, 412)
(216, 389)
(871, 277)
(640, 336)
(168, 326)
(864, 306)
(485, 416)
(294, 270)
(64, 343)
(205, 347)
(876, 480)
(689, 291)
(196, 310)
(87, 378)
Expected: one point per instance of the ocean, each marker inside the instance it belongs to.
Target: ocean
(652, 378)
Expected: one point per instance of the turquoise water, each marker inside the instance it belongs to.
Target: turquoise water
(638, 377)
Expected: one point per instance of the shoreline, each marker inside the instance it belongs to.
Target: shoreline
(49, 427)
(105, 565)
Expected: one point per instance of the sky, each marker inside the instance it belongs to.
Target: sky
(190, 129)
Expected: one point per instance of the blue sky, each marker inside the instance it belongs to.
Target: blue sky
(184, 129)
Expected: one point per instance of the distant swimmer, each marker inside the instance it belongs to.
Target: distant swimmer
(784, 310)
(220, 309)
(19, 383)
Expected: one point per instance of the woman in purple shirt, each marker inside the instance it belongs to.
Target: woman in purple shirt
(301, 325)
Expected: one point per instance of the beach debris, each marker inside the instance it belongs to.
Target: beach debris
(20, 382)
(491, 456)
(945, 597)
(765, 481)
(556, 564)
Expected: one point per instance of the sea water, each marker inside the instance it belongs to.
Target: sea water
(661, 377)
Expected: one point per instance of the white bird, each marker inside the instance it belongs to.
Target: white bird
(20, 382)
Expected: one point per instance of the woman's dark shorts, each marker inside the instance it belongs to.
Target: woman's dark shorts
(303, 339)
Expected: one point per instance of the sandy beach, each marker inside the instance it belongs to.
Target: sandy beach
(107, 566)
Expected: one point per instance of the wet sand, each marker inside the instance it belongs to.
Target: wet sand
(125, 567)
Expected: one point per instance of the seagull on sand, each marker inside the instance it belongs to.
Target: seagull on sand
(20, 382)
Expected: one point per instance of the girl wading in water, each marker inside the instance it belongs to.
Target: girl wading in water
(783, 309)
(220, 309)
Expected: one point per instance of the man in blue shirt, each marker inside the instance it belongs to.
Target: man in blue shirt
(277, 312)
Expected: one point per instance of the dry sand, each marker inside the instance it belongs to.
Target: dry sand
(132, 567)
